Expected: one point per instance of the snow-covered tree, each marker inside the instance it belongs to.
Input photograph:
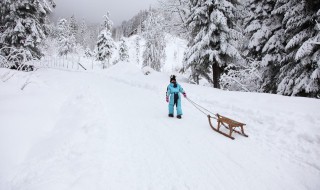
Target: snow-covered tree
(73, 25)
(154, 53)
(107, 23)
(175, 12)
(105, 44)
(92, 33)
(66, 39)
(265, 42)
(23, 26)
(105, 47)
(132, 26)
(83, 33)
(137, 43)
(123, 50)
(213, 38)
(260, 25)
(300, 68)
(242, 77)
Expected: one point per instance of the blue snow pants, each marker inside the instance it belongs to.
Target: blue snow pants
(175, 98)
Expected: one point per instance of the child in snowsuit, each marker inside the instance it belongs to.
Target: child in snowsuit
(173, 92)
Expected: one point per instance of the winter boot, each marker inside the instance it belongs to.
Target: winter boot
(179, 116)
(170, 115)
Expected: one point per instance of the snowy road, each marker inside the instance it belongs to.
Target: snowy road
(110, 130)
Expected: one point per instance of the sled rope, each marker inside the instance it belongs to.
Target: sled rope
(202, 109)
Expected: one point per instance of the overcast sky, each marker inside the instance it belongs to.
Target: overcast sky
(93, 10)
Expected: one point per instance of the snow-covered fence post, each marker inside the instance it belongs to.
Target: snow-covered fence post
(79, 58)
(67, 64)
(92, 63)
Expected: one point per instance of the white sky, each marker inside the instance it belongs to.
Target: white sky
(93, 10)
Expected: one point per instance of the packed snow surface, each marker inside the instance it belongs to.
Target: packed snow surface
(110, 130)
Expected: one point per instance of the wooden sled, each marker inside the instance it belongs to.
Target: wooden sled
(229, 124)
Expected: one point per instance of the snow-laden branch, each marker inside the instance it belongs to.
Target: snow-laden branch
(317, 43)
(236, 81)
(14, 56)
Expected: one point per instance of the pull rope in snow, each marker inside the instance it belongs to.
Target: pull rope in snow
(202, 109)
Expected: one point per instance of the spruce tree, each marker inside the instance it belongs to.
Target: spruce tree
(212, 43)
(137, 43)
(82, 33)
(154, 53)
(123, 51)
(73, 25)
(105, 43)
(23, 26)
(66, 39)
(107, 23)
(300, 68)
(175, 12)
(265, 41)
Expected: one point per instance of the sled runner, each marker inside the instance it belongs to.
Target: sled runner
(229, 124)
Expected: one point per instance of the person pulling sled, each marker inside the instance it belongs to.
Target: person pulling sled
(173, 97)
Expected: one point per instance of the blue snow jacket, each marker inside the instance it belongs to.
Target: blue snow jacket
(175, 98)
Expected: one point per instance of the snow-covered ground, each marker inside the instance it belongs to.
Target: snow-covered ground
(109, 130)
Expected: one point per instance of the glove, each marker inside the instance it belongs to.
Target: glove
(167, 98)
(184, 94)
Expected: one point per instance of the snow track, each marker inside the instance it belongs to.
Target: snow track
(110, 130)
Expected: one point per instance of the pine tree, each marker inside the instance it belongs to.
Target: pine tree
(300, 68)
(259, 26)
(107, 23)
(93, 32)
(154, 53)
(73, 25)
(265, 40)
(23, 26)
(82, 33)
(134, 25)
(175, 12)
(123, 51)
(105, 43)
(66, 39)
(212, 44)
(138, 49)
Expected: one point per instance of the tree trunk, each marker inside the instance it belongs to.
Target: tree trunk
(216, 72)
